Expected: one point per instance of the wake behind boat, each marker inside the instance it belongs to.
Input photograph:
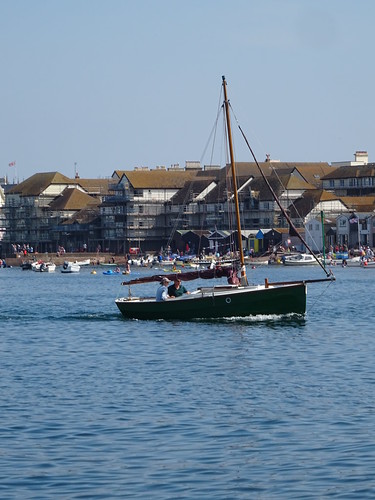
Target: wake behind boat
(235, 299)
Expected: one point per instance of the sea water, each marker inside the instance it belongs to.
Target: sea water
(97, 406)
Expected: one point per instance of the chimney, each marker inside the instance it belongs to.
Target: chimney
(361, 157)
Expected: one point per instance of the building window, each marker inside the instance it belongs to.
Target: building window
(331, 183)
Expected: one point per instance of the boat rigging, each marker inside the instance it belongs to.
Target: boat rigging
(236, 298)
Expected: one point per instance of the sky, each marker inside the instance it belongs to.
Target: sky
(95, 86)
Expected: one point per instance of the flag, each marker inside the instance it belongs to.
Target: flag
(12, 164)
(354, 220)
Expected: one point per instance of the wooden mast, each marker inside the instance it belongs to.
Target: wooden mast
(235, 193)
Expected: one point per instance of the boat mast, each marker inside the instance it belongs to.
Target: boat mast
(235, 193)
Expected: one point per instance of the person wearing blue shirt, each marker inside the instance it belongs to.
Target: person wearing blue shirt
(162, 291)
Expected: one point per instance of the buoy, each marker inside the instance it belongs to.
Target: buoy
(93, 272)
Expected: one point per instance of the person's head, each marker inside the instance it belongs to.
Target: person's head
(165, 282)
(177, 282)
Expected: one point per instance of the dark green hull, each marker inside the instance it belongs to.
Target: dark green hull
(219, 303)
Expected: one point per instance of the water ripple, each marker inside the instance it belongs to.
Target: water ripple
(96, 406)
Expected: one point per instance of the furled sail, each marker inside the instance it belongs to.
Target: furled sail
(206, 274)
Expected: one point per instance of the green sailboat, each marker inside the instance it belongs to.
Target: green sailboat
(237, 298)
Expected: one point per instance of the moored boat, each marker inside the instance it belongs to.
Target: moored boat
(41, 266)
(70, 267)
(300, 259)
(85, 262)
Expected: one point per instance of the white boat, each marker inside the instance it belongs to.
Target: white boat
(70, 267)
(48, 267)
(300, 259)
(43, 267)
(81, 263)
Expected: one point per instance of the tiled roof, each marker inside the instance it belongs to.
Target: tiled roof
(312, 172)
(309, 200)
(95, 186)
(37, 183)
(84, 216)
(361, 203)
(349, 172)
(72, 199)
(158, 179)
(191, 190)
(224, 189)
(279, 184)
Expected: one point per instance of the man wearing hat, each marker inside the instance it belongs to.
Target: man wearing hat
(162, 291)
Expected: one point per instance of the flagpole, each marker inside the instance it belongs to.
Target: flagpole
(13, 164)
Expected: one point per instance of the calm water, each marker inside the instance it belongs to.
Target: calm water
(96, 406)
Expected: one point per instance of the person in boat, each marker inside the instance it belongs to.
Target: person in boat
(233, 278)
(162, 291)
(176, 289)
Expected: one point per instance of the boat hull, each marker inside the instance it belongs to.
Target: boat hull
(70, 267)
(213, 303)
(299, 260)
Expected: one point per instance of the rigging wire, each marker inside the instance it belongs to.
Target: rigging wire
(319, 297)
(290, 222)
(189, 190)
(292, 203)
(281, 184)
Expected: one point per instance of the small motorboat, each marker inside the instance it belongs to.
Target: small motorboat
(81, 263)
(47, 267)
(26, 265)
(70, 267)
(300, 259)
(43, 267)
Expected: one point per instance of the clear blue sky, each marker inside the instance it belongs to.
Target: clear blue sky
(114, 84)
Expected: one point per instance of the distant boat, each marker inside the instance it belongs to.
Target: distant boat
(235, 299)
(26, 265)
(81, 263)
(300, 259)
(41, 266)
(70, 267)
